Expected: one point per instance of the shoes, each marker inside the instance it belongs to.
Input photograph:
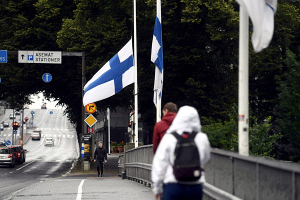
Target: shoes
(98, 176)
(101, 176)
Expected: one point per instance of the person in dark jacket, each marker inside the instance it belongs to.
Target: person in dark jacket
(160, 128)
(100, 156)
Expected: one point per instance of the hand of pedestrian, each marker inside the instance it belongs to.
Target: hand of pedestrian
(94, 160)
(158, 196)
(105, 160)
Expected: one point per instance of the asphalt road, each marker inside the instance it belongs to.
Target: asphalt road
(42, 162)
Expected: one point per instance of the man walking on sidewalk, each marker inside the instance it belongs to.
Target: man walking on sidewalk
(100, 156)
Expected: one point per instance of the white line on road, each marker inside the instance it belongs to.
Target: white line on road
(26, 165)
(79, 194)
(42, 119)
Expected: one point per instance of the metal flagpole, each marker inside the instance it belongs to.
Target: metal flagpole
(108, 121)
(244, 83)
(136, 113)
(158, 107)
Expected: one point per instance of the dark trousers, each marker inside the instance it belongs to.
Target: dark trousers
(176, 191)
(100, 166)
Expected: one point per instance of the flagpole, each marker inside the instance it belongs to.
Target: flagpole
(243, 83)
(158, 107)
(136, 113)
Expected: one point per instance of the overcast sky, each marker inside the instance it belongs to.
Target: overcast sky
(38, 102)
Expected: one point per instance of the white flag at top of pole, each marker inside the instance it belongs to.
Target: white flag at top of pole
(262, 14)
(157, 56)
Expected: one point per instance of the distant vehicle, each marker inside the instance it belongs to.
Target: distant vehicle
(12, 116)
(2, 142)
(19, 153)
(36, 135)
(1, 127)
(49, 141)
(5, 124)
(44, 106)
(17, 112)
(7, 157)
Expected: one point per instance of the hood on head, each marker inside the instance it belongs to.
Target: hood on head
(186, 120)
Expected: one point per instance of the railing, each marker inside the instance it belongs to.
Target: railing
(138, 164)
(253, 177)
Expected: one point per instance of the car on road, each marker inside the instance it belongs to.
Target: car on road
(1, 127)
(17, 112)
(49, 141)
(7, 156)
(2, 142)
(36, 135)
(5, 124)
(19, 153)
(44, 106)
(12, 116)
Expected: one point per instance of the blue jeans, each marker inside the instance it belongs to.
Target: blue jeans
(176, 191)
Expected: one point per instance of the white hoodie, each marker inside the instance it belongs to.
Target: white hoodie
(187, 120)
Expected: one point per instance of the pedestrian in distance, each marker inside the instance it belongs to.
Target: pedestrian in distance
(160, 128)
(177, 168)
(100, 157)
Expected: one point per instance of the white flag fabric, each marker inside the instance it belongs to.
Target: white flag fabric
(262, 14)
(115, 75)
(157, 54)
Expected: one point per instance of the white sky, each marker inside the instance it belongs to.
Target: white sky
(38, 102)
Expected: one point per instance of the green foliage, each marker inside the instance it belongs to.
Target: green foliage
(289, 105)
(224, 135)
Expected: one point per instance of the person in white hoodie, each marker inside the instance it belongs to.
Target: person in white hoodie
(165, 185)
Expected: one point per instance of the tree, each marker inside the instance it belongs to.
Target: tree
(289, 109)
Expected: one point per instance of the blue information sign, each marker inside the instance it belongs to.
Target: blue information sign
(32, 112)
(15, 131)
(8, 142)
(3, 56)
(47, 77)
(51, 112)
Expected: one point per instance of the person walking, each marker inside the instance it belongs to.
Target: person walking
(100, 156)
(165, 184)
(160, 128)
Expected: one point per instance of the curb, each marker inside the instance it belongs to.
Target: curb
(24, 142)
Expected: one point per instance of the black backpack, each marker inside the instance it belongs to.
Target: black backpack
(187, 164)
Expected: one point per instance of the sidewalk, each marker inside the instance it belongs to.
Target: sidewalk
(110, 168)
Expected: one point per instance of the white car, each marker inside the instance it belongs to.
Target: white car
(49, 141)
(12, 116)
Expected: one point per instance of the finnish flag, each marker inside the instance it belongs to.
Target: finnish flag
(157, 54)
(115, 75)
(262, 14)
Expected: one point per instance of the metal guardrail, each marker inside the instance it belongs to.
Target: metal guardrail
(228, 175)
(253, 177)
(138, 167)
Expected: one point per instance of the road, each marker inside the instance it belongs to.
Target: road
(41, 162)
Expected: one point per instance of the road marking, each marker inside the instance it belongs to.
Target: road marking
(42, 119)
(39, 144)
(26, 165)
(79, 194)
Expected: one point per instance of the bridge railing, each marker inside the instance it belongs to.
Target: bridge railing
(137, 164)
(228, 173)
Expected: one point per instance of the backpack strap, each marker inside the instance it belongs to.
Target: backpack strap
(193, 134)
(176, 135)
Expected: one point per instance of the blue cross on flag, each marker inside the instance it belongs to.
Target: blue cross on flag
(115, 75)
(157, 53)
